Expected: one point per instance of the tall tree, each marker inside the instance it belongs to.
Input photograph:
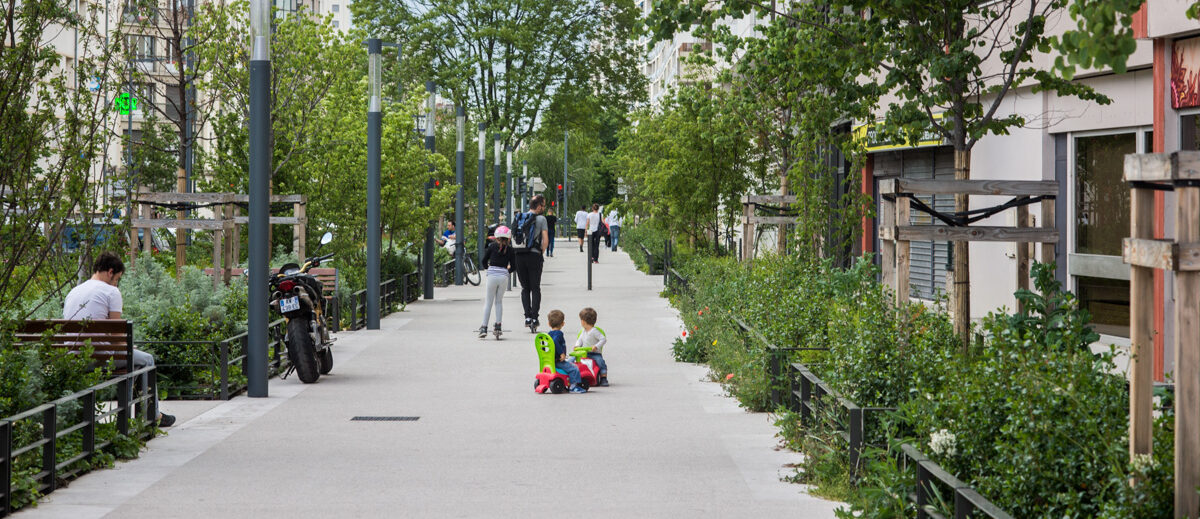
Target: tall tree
(53, 134)
(507, 59)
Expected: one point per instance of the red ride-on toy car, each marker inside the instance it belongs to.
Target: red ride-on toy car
(550, 378)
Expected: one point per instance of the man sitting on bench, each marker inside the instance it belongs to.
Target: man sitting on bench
(99, 298)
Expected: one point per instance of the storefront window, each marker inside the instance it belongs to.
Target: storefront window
(1102, 209)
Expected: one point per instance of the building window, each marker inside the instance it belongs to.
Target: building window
(336, 8)
(335, 24)
(140, 46)
(1101, 209)
(1101, 197)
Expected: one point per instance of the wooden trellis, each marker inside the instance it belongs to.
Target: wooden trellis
(896, 205)
(1147, 173)
(751, 221)
(225, 224)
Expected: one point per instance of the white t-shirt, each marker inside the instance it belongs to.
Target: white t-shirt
(580, 219)
(92, 299)
(614, 220)
(593, 222)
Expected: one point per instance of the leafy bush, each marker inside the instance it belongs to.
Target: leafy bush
(1034, 421)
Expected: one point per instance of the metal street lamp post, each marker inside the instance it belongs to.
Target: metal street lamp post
(429, 122)
(374, 137)
(460, 116)
(260, 200)
(479, 187)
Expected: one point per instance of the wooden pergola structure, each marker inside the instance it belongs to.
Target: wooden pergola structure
(751, 220)
(1147, 173)
(895, 230)
(225, 223)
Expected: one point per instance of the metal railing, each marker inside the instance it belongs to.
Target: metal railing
(223, 355)
(388, 299)
(445, 273)
(134, 394)
(410, 286)
(967, 502)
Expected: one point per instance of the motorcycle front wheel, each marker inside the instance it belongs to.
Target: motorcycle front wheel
(300, 344)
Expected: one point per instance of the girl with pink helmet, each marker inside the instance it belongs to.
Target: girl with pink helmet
(500, 259)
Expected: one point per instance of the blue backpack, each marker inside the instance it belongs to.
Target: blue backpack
(522, 231)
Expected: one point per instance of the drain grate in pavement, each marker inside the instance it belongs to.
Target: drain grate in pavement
(385, 418)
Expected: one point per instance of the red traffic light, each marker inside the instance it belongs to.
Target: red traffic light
(437, 183)
(560, 187)
(552, 203)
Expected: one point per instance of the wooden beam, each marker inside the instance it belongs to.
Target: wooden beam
(887, 247)
(887, 186)
(887, 233)
(182, 198)
(1155, 254)
(245, 199)
(775, 220)
(1162, 167)
(164, 223)
(943, 233)
(769, 199)
(299, 236)
(1141, 328)
(977, 187)
(1187, 361)
(1189, 257)
(208, 198)
(275, 220)
(1048, 252)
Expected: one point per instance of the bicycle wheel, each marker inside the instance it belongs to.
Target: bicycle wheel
(470, 272)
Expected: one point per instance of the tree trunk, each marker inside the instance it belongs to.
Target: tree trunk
(180, 233)
(781, 239)
(960, 293)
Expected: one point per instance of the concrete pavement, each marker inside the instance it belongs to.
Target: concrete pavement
(661, 441)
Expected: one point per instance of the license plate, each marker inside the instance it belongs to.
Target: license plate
(289, 304)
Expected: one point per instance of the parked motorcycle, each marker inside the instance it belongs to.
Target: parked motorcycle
(299, 296)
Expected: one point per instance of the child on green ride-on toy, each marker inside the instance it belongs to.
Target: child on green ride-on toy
(561, 363)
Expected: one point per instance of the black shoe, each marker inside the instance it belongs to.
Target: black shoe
(603, 382)
(482, 332)
(166, 420)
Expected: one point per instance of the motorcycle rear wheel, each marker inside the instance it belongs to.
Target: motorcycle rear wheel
(300, 343)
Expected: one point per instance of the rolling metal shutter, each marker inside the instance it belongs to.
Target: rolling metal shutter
(927, 271)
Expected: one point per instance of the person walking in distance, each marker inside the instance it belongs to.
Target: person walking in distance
(581, 224)
(614, 228)
(551, 225)
(529, 239)
(99, 298)
(593, 232)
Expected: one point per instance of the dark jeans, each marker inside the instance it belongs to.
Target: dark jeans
(529, 271)
(569, 370)
(595, 246)
(596, 356)
(550, 246)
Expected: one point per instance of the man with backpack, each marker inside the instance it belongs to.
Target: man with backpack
(529, 240)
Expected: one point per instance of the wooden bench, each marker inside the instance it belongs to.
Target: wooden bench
(110, 339)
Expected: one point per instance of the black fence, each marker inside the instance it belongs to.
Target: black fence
(794, 387)
(221, 363)
(410, 286)
(76, 418)
(389, 299)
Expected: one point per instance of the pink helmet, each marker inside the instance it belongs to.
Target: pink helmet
(503, 232)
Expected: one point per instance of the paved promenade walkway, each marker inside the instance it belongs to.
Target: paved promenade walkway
(661, 441)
